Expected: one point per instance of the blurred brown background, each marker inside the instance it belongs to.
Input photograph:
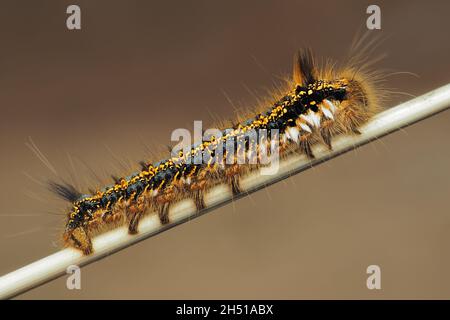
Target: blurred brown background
(139, 69)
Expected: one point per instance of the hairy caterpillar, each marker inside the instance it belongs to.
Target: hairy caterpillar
(317, 104)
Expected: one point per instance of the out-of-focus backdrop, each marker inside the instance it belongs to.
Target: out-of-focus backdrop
(111, 91)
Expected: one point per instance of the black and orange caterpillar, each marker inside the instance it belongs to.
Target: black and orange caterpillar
(316, 105)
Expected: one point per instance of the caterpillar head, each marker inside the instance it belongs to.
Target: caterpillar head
(351, 89)
(75, 234)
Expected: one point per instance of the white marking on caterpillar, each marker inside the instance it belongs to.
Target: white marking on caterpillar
(330, 105)
(327, 113)
(305, 127)
(293, 133)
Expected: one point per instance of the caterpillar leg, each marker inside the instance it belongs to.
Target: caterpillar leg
(325, 133)
(134, 213)
(196, 189)
(234, 182)
(305, 145)
(198, 199)
(134, 222)
(232, 176)
(162, 203)
(78, 238)
(163, 213)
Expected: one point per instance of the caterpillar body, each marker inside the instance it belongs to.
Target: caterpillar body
(317, 104)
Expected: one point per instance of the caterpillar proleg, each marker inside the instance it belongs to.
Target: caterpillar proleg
(318, 103)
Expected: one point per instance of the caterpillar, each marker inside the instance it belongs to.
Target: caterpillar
(316, 104)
